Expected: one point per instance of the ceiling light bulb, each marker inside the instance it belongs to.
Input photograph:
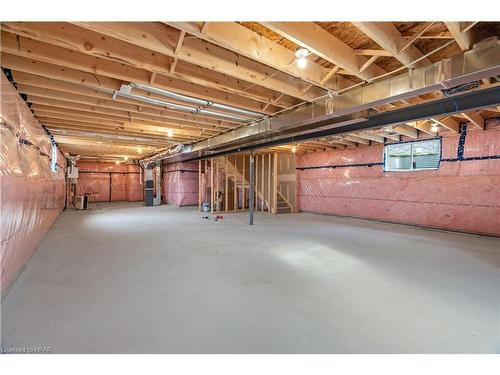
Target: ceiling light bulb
(170, 132)
(301, 52)
(139, 150)
(294, 149)
(434, 128)
(125, 158)
(117, 162)
(302, 63)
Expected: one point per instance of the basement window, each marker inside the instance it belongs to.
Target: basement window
(412, 156)
(53, 159)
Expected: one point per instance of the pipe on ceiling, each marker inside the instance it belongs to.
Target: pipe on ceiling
(190, 99)
(125, 92)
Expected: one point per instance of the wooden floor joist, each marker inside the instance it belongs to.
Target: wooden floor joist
(70, 73)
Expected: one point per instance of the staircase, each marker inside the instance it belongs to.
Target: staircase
(235, 175)
(284, 207)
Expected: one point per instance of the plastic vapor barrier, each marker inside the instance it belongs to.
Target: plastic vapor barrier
(180, 184)
(462, 194)
(32, 196)
(109, 182)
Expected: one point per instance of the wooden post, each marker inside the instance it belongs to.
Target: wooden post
(275, 183)
(227, 185)
(212, 185)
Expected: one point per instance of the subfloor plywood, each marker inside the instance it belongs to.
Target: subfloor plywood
(123, 278)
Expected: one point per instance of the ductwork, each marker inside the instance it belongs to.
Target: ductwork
(111, 137)
(479, 63)
(201, 102)
(126, 92)
(162, 155)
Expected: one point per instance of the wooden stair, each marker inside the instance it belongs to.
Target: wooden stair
(284, 206)
(235, 175)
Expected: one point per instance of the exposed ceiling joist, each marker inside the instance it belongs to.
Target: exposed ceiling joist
(463, 38)
(417, 35)
(320, 42)
(56, 55)
(112, 105)
(448, 123)
(163, 39)
(30, 80)
(406, 130)
(428, 35)
(241, 40)
(387, 36)
(372, 52)
(475, 119)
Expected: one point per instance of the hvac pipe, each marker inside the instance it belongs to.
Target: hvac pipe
(190, 99)
(252, 188)
(125, 93)
(180, 107)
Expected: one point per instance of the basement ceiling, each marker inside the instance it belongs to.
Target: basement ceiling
(70, 74)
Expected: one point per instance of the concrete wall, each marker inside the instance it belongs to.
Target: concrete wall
(109, 182)
(32, 195)
(461, 195)
(180, 184)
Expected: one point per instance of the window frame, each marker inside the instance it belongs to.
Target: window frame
(438, 139)
(53, 158)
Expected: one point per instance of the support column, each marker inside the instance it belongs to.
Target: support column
(275, 183)
(199, 185)
(212, 185)
(226, 187)
(148, 185)
(252, 188)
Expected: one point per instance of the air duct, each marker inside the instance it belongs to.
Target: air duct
(200, 102)
(125, 92)
(479, 63)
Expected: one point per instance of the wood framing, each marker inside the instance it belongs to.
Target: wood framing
(386, 35)
(317, 40)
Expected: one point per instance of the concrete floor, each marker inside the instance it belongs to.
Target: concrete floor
(123, 278)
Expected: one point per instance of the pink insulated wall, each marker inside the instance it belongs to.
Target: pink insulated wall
(32, 195)
(180, 184)
(461, 195)
(109, 182)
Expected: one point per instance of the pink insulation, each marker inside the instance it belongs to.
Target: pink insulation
(32, 196)
(180, 184)
(135, 188)
(109, 182)
(461, 195)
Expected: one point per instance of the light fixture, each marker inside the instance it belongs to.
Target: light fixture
(117, 162)
(302, 63)
(139, 150)
(125, 158)
(301, 53)
(170, 133)
(434, 128)
(294, 149)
